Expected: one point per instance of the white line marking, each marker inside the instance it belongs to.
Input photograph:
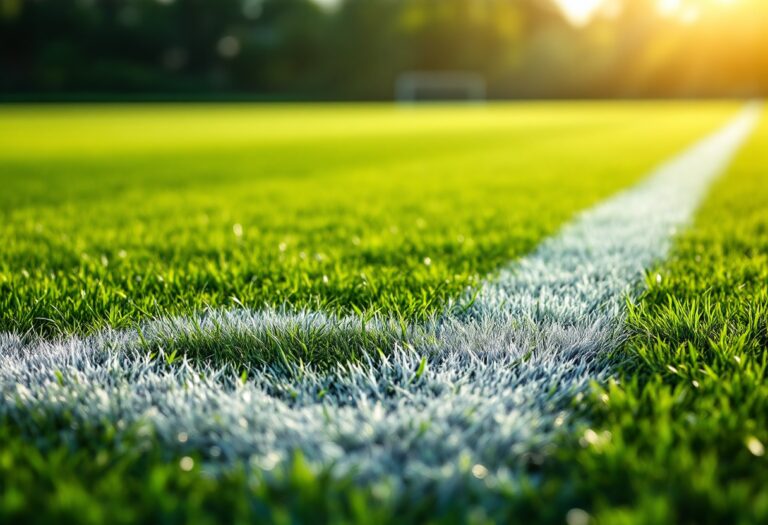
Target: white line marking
(494, 391)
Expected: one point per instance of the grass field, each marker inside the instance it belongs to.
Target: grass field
(112, 215)
(366, 239)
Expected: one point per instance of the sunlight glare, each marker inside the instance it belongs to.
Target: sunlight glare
(580, 12)
(669, 7)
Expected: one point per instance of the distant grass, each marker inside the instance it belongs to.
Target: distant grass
(682, 437)
(111, 214)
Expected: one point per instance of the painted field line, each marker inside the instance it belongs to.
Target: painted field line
(467, 397)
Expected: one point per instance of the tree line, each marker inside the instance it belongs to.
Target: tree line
(355, 49)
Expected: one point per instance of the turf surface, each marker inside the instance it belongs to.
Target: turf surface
(116, 214)
(686, 426)
(680, 439)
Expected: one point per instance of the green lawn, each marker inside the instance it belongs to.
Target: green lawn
(689, 416)
(114, 214)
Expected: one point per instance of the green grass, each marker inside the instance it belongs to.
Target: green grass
(678, 439)
(685, 428)
(111, 214)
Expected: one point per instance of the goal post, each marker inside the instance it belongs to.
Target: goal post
(436, 86)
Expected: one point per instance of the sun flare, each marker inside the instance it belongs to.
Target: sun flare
(580, 12)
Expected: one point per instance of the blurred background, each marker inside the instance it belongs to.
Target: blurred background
(381, 49)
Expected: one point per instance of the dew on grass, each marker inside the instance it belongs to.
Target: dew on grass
(381, 491)
(755, 446)
(186, 463)
(577, 517)
(237, 229)
(479, 471)
(268, 462)
(590, 437)
(427, 261)
(594, 439)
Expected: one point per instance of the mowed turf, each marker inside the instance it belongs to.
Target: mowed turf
(114, 214)
(681, 437)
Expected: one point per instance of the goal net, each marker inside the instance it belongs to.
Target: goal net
(436, 86)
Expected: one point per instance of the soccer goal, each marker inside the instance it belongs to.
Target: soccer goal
(435, 86)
